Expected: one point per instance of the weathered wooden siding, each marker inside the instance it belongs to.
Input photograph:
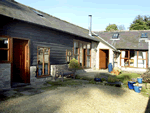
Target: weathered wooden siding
(40, 36)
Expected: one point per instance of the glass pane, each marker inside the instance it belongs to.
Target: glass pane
(88, 61)
(75, 50)
(88, 51)
(46, 60)
(142, 63)
(84, 46)
(88, 46)
(46, 56)
(80, 54)
(76, 57)
(67, 58)
(3, 55)
(142, 55)
(40, 61)
(46, 69)
(40, 55)
(75, 44)
(124, 62)
(40, 69)
(3, 42)
(124, 54)
(69, 53)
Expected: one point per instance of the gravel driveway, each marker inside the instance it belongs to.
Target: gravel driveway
(88, 98)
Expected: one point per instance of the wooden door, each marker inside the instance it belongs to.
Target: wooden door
(102, 59)
(20, 61)
(84, 58)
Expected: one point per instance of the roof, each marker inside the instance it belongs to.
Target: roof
(13, 9)
(127, 39)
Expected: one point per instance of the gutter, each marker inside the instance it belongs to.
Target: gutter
(106, 42)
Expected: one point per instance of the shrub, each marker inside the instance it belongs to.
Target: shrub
(97, 75)
(103, 79)
(74, 64)
(111, 79)
(127, 77)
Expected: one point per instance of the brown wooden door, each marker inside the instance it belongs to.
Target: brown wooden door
(20, 61)
(84, 58)
(102, 59)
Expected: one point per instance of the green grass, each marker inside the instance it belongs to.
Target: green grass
(67, 82)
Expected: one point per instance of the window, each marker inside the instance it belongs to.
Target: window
(76, 50)
(4, 49)
(68, 56)
(38, 13)
(116, 35)
(144, 35)
(131, 58)
(43, 59)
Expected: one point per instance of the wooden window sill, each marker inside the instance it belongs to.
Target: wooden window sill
(5, 62)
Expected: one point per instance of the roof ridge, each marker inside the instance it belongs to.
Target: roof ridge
(121, 31)
(51, 15)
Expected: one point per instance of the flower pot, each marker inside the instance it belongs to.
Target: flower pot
(97, 80)
(139, 79)
(137, 88)
(130, 84)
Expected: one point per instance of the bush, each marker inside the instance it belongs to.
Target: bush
(74, 64)
(103, 79)
(111, 79)
(146, 76)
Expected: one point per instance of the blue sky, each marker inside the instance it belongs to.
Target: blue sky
(103, 11)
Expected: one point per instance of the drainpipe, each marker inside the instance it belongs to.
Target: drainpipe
(90, 25)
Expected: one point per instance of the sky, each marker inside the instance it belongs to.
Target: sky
(104, 12)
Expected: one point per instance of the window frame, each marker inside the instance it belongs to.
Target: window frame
(144, 35)
(43, 72)
(77, 48)
(9, 50)
(83, 43)
(115, 37)
(137, 58)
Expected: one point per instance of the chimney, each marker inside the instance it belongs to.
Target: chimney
(90, 25)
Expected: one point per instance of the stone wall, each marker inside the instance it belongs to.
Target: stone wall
(93, 55)
(5, 74)
(34, 80)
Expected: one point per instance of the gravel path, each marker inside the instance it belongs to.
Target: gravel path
(88, 98)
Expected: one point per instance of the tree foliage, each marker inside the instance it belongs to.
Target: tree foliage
(121, 27)
(111, 27)
(140, 23)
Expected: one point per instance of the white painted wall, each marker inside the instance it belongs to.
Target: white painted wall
(103, 46)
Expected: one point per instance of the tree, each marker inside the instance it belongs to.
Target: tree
(140, 23)
(121, 27)
(111, 27)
